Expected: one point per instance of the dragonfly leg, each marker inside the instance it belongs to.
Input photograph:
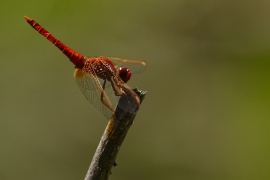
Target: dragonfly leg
(102, 99)
(115, 89)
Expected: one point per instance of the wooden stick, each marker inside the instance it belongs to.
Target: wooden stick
(112, 138)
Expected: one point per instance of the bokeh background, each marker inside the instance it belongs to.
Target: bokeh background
(206, 115)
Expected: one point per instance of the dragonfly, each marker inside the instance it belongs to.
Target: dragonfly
(102, 80)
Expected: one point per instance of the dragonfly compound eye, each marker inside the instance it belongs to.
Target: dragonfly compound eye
(124, 74)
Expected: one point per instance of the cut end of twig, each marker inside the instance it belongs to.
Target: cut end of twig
(140, 93)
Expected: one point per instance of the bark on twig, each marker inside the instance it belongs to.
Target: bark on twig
(112, 138)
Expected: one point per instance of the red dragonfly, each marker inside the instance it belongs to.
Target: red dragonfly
(102, 80)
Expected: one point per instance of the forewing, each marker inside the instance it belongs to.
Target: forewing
(91, 87)
(136, 66)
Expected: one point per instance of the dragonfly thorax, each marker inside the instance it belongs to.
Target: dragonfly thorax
(99, 66)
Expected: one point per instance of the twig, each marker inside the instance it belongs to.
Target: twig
(112, 138)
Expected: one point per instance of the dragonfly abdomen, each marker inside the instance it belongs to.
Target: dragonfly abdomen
(76, 58)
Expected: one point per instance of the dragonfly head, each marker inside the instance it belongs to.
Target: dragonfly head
(124, 73)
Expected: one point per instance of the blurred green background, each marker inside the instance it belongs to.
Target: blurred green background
(206, 114)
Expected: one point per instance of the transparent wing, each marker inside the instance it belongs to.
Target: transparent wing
(91, 86)
(135, 66)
